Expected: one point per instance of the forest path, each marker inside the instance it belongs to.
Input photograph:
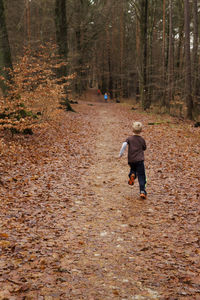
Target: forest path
(128, 248)
(71, 226)
(107, 264)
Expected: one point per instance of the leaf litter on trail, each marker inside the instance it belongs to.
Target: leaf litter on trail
(59, 238)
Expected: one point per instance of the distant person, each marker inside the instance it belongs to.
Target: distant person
(106, 97)
(136, 147)
(98, 92)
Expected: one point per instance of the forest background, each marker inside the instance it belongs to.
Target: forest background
(67, 232)
(144, 50)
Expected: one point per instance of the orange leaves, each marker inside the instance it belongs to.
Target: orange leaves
(4, 244)
(34, 90)
(3, 235)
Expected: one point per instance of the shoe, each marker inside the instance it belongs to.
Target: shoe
(143, 195)
(131, 180)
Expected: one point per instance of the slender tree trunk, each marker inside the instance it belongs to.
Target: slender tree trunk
(80, 31)
(61, 34)
(179, 53)
(121, 47)
(163, 54)
(79, 87)
(144, 87)
(110, 79)
(103, 76)
(152, 14)
(5, 54)
(170, 61)
(195, 52)
(188, 86)
(28, 26)
(138, 62)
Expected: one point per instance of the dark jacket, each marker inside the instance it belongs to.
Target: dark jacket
(136, 148)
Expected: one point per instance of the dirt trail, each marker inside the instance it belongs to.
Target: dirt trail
(128, 248)
(71, 226)
(106, 266)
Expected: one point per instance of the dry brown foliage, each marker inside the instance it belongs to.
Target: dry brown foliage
(72, 228)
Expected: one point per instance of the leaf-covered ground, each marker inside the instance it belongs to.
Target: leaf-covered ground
(72, 228)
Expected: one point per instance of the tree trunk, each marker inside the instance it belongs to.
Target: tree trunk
(188, 86)
(61, 39)
(121, 47)
(61, 27)
(138, 63)
(27, 23)
(152, 15)
(80, 13)
(179, 51)
(163, 54)
(170, 60)
(110, 79)
(195, 55)
(5, 54)
(143, 31)
(61, 34)
(146, 102)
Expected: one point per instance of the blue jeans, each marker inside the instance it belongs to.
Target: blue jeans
(138, 169)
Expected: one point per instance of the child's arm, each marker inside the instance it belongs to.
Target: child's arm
(123, 148)
(144, 146)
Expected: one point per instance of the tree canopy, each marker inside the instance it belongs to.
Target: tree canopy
(128, 48)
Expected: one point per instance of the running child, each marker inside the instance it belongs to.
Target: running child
(136, 147)
(106, 97)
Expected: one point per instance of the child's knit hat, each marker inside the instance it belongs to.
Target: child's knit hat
(137, 127)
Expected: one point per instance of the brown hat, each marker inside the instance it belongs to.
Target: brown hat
(137, 127)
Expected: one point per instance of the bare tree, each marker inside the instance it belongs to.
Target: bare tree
(5, 54)
(126, 47)
(144, 25)
(163, 54)
(188, 86)
(61, 27)
(195, 54)
(170, 59)
(179, 61)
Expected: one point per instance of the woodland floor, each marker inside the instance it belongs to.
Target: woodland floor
(72, 228)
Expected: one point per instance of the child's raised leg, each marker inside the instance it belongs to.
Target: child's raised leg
(132, 174)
